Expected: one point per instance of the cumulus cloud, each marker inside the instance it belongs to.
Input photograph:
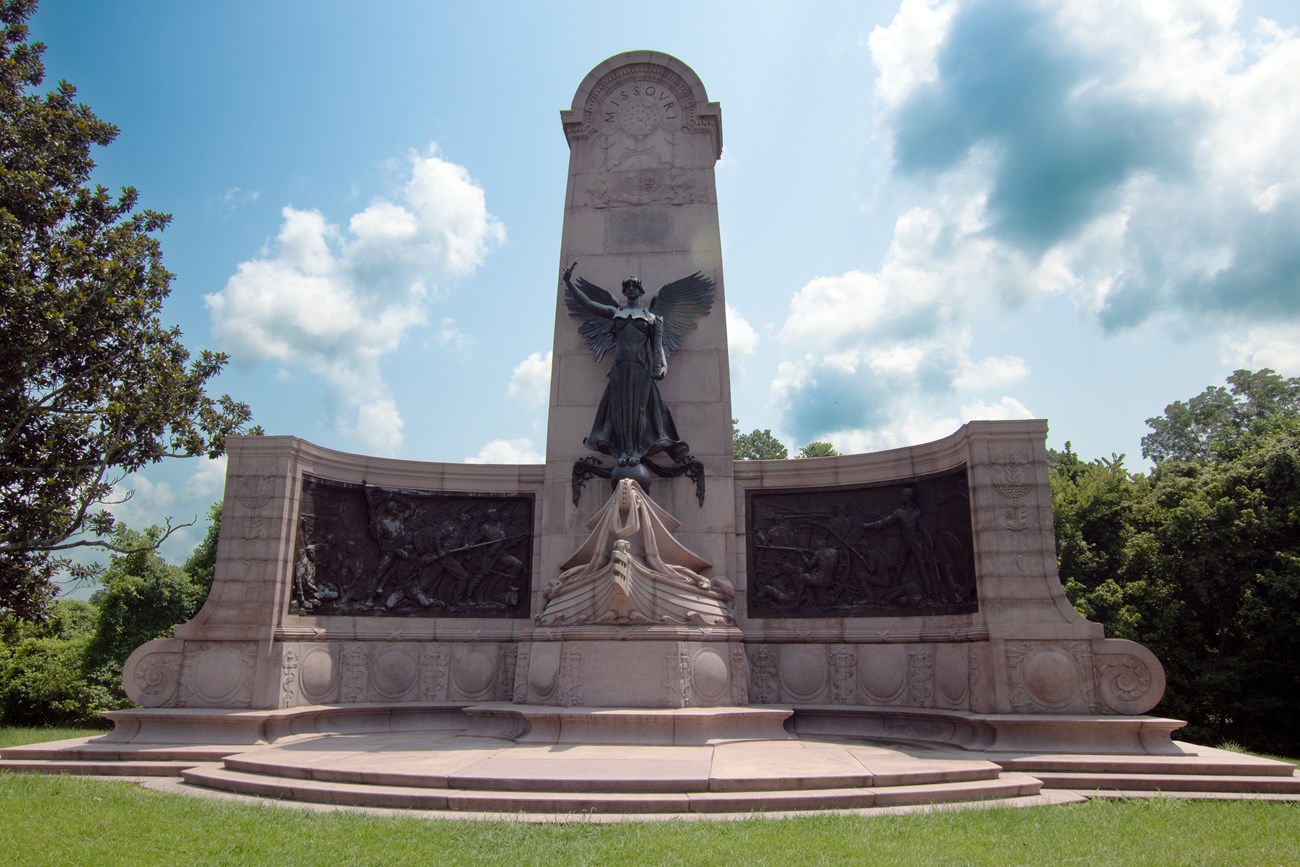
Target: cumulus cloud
(742, 339)
(139, 501)
(505, 451)
(530, 381)
(335, 301)
(1137, 158)
(1006, 408)
(1143, 152)
(208, 480)
(1276, 347)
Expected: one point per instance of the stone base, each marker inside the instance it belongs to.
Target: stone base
(218, 726)
(532, 724)
(685, 671)
(1010, 733)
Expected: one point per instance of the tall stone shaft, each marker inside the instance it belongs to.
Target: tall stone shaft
(641, 200)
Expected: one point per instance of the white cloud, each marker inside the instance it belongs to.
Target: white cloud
(237, 196)
(742, 339)
(517, 451)
(138, 501)
(1006, 408)
(335, 302)
(1276, 347)
(1137, 158)
(530, 381)
(450, 337)
(208, 480)
(904, 51)
(992, 372)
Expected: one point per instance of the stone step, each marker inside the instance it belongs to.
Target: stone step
(1009, 785)
(94, 750)
(1172, 783)
(555, 776)
(1217, 763)
(106, 768)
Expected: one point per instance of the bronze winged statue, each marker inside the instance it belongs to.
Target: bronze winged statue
(632, 422)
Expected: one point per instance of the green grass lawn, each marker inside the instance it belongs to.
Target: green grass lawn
(71, 820)
(13, 736)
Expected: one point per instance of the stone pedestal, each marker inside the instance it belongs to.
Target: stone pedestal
(630, 667)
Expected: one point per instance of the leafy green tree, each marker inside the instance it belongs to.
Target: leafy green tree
(143, 597)
(41, 669)
(202, 563)
(757, 445)
(1229, 537)
(93, 386)
(67, 668)
(817, 449)
(1200, 560)
(1217, 417)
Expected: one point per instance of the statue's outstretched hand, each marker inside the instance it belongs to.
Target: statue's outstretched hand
(568, 272)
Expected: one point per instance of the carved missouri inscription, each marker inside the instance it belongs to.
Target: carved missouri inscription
(368, 551)
(901, 548)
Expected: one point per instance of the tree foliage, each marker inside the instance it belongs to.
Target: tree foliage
(818, 449)
(1218, 417)
(93, 386)
(201, 565)
(757, 445)
(1200, 560)
(66, 669)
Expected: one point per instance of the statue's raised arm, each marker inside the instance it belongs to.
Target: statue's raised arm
(593, 307)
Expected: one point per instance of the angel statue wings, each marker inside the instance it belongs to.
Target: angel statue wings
(633, 422)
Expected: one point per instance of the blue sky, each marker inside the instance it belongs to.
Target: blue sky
(931, 212)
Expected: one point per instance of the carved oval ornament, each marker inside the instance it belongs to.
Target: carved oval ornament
(883, 674)
(803, 672)
(473, 673)
(317, 674)
(951, 674)
(709, 674)
(218, 672)
(1051, 678)
(393, 672)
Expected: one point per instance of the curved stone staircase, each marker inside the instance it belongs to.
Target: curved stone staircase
(558, 762)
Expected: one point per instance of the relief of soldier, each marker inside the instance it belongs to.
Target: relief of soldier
(373, 551)
(866, 551)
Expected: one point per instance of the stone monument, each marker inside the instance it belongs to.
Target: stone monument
(907, 594)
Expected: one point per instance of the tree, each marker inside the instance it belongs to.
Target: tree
(202, 562)
(1200, 559)
(93, 386)
(1216, 417)
(757, 445)
(818, 449)
(143, 597)
(66, 669)
(41, 677)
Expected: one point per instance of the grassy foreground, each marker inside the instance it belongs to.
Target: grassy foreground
(13, 736)
(71, 820)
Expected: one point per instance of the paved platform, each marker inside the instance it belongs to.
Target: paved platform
(570, 766)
